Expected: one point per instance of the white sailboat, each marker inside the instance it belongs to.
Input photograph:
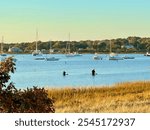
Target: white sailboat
(147, 54)
(114, 56)
(68, 53)
(97, 57)
(77, 54)
(36, 52)
(2, 53)
(51, 58)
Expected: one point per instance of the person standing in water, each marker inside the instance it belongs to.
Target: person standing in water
(64, 73)
(93, 72)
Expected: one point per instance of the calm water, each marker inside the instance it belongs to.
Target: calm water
(31, 72)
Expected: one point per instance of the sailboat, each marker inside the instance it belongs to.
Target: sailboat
(68, 53)
(114, 56)
(36, 52)
(77, 54)
(97, 57)
(147, 54)
(51, 58)
(2, 53)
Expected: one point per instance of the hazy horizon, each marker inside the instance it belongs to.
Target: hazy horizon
(84, 19)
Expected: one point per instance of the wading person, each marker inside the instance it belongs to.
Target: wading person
(64, 73)
(93, 72)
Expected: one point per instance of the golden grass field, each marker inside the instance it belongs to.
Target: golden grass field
(120, 98)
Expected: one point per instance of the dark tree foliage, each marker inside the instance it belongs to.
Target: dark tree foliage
(124, 45)
(33, 100)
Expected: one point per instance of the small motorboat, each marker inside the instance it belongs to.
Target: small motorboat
(128, 57)
(40, 58)
(51, 59)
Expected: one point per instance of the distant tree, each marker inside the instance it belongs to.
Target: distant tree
(148, 47)
(102, 46)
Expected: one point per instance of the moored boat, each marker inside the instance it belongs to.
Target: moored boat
(40, 58)
(114, 56)
(97, 57)
(128, 57)
(51, 59)
(37, 52)
(147, 54)
(2, 53)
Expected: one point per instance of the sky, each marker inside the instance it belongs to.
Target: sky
(83, 19)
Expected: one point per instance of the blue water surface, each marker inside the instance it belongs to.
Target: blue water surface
(31, 72)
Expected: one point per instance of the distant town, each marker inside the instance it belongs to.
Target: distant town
(120, 45)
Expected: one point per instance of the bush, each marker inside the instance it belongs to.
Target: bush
(33, 100)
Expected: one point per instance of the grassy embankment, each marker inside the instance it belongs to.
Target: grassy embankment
(123, 97)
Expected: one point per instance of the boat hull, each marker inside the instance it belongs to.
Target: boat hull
(97, 58)
(128, 57)
(115, 58)
(52, 59)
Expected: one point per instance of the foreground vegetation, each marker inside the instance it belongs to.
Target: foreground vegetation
(33, 100)
(123, 97)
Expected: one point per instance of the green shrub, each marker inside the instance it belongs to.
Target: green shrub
(33, 100)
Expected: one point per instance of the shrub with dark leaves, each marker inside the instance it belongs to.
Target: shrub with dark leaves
(33, 100)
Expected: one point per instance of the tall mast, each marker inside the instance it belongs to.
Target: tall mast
(2, 44)
(69, 43)
(50, 46)
(36, 39)
(110, 46)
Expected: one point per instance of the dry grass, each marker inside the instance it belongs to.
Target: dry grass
(123, 97)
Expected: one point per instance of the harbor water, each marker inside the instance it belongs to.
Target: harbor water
(30, 72)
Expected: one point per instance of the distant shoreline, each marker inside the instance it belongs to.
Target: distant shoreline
(131, 44)
(80, 53)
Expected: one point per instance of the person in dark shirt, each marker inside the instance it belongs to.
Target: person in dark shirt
(64, 73)
(93, 72)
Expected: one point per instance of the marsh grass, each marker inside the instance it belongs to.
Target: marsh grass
(121, 98)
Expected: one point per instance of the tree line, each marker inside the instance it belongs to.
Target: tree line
(121, 45)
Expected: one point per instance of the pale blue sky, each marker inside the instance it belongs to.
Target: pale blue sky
(84, 19)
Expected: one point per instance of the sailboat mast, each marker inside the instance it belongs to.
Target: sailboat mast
(36, 39)
(110, 47)
(2, 44)
(69, 44)
(50, 46)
